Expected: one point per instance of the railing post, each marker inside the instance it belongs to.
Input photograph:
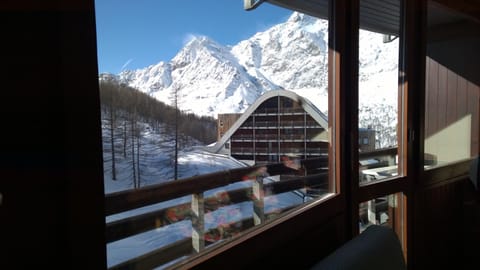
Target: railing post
(198, 222)
(371, 211)
(258, 203)
(391, 160)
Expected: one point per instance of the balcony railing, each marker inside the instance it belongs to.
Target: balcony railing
(241, 137)
(291, 111)
(274, 137)
(282, 124)
(266, 124)
(299, 124)
(313, 175)
(196, 210)
(275, 151)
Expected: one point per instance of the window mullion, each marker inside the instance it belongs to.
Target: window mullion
(345, 46)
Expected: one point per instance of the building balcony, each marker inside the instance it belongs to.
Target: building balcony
(291, 151)
(282, 111)
(282, 124)
(270, 137)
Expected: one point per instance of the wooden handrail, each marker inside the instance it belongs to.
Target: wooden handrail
(376, 153)
(446, 173)
(131, 199)
(140, 223)
(119, 229)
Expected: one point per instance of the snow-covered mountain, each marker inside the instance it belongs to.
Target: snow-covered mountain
(209, 78)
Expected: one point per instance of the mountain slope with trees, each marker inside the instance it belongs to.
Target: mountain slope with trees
(139, 142)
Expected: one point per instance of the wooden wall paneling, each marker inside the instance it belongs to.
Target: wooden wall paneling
(451, 97)
(473, 110)
(461, 96)
(427, 92)
(438, 229)
(432, 99)
(442, 97)
(468, 7)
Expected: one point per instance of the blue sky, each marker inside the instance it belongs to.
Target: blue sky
(136, 34)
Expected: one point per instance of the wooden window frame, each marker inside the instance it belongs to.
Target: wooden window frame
(343, 102)
(410, 122)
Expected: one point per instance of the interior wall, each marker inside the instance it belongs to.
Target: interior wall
(452, 90)
(438, 227)
(51, 211)
(452, 100)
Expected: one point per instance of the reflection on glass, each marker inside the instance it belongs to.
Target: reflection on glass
(216, 141)
(452, 89)
(378, 81)
(386, 211)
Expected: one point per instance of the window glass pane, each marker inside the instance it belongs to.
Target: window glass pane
(452, 87)
(226, 132)
(385, 211)
(378, 84)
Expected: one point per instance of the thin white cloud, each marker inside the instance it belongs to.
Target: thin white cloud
(126, 63)
(188, 37)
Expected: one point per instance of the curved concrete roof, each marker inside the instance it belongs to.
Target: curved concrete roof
(308, 106)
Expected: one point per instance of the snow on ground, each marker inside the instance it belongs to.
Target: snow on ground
(157, 159)
(198, 162)
(134, 246)
(156, 149)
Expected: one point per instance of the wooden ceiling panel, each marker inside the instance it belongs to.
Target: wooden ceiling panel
(378, 16)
